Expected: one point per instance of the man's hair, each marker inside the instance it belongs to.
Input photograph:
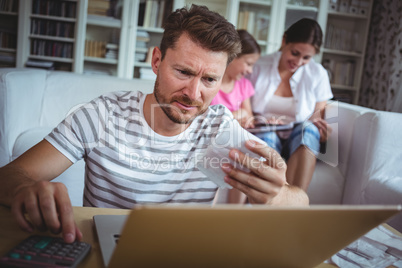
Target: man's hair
(204, 27)
(306, 31)
(248, 43)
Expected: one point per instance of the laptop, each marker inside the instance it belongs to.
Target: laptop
(233, 236)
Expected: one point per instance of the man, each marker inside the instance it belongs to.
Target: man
(141, 148)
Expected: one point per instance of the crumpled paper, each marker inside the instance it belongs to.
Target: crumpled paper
(378, 248)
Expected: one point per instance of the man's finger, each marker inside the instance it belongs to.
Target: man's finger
(17, 209)
(66, 215)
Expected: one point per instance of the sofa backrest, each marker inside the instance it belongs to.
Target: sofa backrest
(341, 117)
(374, 174)
(34, 98)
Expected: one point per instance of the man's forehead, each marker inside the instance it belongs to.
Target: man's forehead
(189, 54)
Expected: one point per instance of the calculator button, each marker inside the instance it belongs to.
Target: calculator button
(27, 257)
(15, 255)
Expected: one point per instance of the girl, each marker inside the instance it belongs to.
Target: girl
(235, 91)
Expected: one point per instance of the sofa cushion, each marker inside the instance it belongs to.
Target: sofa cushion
(385, 190)
(326, 186)
(73, 177)
(27, 139)
(21, 93)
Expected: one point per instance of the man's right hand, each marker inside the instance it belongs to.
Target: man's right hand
(46, 206)
(34, 200)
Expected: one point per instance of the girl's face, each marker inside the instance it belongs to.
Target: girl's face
(242, 66)
(295, 55)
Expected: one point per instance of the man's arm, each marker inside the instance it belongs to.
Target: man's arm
(266, 183)
(26, 188)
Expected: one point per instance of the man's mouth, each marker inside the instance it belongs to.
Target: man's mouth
(184, 106)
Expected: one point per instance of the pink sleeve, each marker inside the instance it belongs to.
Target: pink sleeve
(247, 88)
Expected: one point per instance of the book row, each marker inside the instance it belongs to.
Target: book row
(340, 72)
(101, 49)
(256, 23)
(8, 40)
(152, 13)
(54, 8)
(342, 39)
(9, 5)
(51, 48)
(51, 28)
(102, 7)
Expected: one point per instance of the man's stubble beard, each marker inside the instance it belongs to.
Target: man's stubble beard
(169, 109)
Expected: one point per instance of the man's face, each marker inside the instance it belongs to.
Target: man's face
(188, 79)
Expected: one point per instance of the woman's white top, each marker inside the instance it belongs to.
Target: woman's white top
(309, 85)
(283, 108)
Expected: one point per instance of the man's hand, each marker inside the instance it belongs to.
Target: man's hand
(48, 207)
(266, 181)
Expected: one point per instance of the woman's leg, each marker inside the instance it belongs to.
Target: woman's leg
(304, 145)
(301, 166)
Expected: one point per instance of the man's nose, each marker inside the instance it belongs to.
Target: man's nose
(193, 89)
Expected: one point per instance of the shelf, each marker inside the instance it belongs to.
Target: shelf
(150, 29)
(53, 38)
(343, 87)
(348, 15)
(142, 64)
(342, 53)
(100, 60)
(8, 13)
(10, 50)
(141, 49)
(103, 21)
(302, 8)
(56, 59)
(36, 16)
(257, 2)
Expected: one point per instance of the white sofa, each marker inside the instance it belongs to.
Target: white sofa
(362, 163)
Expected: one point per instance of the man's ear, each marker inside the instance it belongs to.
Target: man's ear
(156, 59)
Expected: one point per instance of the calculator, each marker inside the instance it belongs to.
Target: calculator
(45, 251)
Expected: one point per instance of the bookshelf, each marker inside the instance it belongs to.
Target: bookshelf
(345, 45)
(48, 34)
(148, 34)
(116, 37)
(8, 32)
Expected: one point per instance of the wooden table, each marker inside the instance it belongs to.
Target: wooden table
(11, 234)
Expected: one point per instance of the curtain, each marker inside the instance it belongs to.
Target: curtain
(381, 87)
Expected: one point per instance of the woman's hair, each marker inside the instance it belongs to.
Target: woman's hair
(248, 43)
(206, 28)
(305, 31)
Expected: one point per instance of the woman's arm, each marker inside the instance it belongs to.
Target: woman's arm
(318, 119)
(244, 114)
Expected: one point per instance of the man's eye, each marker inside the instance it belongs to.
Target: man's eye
(210, 80)
(307, 57)
(294, 53)
(183, 72)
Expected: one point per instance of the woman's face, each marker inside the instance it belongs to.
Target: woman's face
(295, 55)
(242, 66)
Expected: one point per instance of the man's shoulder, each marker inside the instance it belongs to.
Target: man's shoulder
(217, 114)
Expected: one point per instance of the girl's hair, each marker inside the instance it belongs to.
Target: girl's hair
(305, 31)
(248, 43)
(206, 28)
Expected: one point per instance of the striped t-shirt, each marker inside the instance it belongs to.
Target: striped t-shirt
(127, 163)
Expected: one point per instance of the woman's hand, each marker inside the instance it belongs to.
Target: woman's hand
(324, 128)
(245, 118)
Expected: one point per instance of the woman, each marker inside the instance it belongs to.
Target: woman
(291, 86)
(235, 91)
